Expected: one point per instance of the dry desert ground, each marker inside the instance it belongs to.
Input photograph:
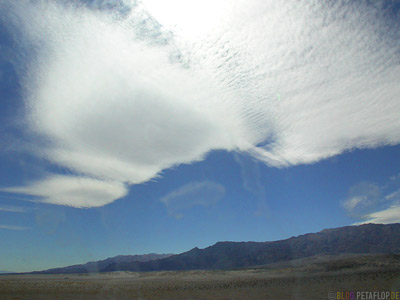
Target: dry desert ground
(311, 278)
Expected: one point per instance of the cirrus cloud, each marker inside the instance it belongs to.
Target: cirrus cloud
(204, 193)
(15, 209)
(13, 227)
(375, 203)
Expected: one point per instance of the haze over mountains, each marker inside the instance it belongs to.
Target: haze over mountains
(99, 266)
(362, 239)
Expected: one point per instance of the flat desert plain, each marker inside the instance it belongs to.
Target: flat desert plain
(310, 278)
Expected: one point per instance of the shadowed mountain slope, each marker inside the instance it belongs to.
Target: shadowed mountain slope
(98, 266)
(362, 239)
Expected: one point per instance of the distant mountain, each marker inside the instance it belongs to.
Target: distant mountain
(6, 272)
(368, 238)
(98, 266)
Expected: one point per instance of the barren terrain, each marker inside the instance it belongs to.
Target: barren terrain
(310, 278)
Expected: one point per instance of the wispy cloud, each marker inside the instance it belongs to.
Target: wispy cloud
(387, 216)
(120, 97)
(374, 203)
(73, 191)
(363, 197)
(251, 180)
(204, 193)
(16, 209)
(14, 227)
(393, 196)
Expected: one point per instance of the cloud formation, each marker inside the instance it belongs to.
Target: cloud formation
(73, 191)
(118, 96)
(363, 197)
(15, 209)
(387, 216)
(373, 203)
(14, 227)
(204, 193)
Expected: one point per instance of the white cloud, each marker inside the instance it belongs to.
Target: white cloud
(363, 197)
(336, 82)
(387, 216)
(120, 98)
(204, 193)
(374, 203)
(393, 196)
(351, 203)
(73, 191)
(14, 227)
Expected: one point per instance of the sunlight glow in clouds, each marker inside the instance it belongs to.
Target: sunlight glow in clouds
(119, 98)
(191, 19)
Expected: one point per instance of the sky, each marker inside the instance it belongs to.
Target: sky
(132, 127)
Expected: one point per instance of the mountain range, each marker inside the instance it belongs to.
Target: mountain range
(99, 266)
(362, 239)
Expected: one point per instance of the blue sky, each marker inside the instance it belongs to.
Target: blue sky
(136, 127)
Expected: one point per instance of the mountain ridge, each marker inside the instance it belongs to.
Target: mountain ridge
(97, 266)
(366, 238)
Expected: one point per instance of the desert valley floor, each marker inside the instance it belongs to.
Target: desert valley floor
(310, 278)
